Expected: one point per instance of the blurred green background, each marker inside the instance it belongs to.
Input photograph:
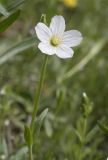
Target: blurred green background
(66, 81)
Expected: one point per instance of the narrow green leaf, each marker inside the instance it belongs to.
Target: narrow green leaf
(3, 11)
(9, 21)
(77, 134)
(60, 98)
(43, 115)
(20, 154)
(92, 133)
(28, 136)
(15, 5)
(48, 128)
(103, 127)
(41, 119)
(30, 42)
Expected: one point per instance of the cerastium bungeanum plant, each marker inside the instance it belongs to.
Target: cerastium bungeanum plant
(54, 40)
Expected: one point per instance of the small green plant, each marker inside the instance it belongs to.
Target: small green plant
(62, 123)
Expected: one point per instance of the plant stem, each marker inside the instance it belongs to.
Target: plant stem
(38, 92)
(85, 129)
(30, 153)
(36, 102)
(83, 139)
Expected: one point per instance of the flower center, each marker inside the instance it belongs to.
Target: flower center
(55, 41)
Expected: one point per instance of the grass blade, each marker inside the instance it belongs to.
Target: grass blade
(17, 49)
(9, 21)
(3, 11)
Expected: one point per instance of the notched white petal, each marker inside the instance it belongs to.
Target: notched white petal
(57, 25)
(43, 32)
(72, 38)
(46, 48)
(64, 52)
(55, 41)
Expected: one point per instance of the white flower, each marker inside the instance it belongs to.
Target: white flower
(54, 39)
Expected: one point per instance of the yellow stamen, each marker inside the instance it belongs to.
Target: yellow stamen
(55, 41)
(70, 3)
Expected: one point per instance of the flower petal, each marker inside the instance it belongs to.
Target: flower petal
(46, 48)
(72, 38)
(64, 52)
(57, 25)
(43, 32)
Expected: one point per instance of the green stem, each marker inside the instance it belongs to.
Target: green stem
(83, 139)
(36, 102)
(38, 92)
(84, 131)
(30, 153)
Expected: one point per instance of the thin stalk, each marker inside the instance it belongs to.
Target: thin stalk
(38, 92)
(85, 129)
(36, 100)
(30, 153)
(83, 139)
(36, 103)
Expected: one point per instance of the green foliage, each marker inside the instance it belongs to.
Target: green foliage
(20, 155)
(103, 127)
(68, 128)
(15, 5)
(3, 147)
(22, 46)
(28, 136)
(87, 106)
(40, 120)
(9, 21)
(3, 11)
